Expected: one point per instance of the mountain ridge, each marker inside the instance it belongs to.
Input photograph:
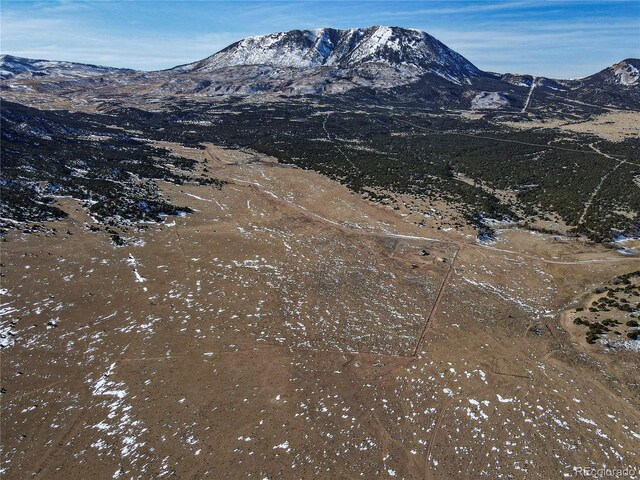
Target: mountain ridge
(12, 65)
(398, 63)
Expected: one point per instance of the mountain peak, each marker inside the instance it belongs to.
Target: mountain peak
(627, 72)
(399, 48)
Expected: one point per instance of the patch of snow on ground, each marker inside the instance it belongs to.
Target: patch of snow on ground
(489, 100)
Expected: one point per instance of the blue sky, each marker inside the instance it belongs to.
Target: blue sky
(556, 38)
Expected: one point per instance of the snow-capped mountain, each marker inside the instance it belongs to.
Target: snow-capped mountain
(393, 63)
(625, 73)
(399, 48)
(11, 66)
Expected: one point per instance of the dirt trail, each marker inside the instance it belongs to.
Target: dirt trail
(533, 86)
(593, 195)
(324, 127)
(436, 304)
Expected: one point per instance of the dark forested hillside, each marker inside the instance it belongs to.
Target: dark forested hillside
(369, 148)
(56, 153)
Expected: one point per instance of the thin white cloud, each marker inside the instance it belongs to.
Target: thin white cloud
(62, 39)
(451, 10)
(545, 44)
(544, 48)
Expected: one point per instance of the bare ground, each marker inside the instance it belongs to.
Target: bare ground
(290, 329)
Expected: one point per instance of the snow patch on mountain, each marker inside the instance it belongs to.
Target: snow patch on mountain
(489, 100)
(626, 74)
(11, 66)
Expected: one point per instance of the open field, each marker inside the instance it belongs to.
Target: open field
(613, 125)
(289, 328)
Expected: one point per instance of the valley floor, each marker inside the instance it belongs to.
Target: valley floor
(289, 328)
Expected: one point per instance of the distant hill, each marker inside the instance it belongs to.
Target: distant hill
(399, 63)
